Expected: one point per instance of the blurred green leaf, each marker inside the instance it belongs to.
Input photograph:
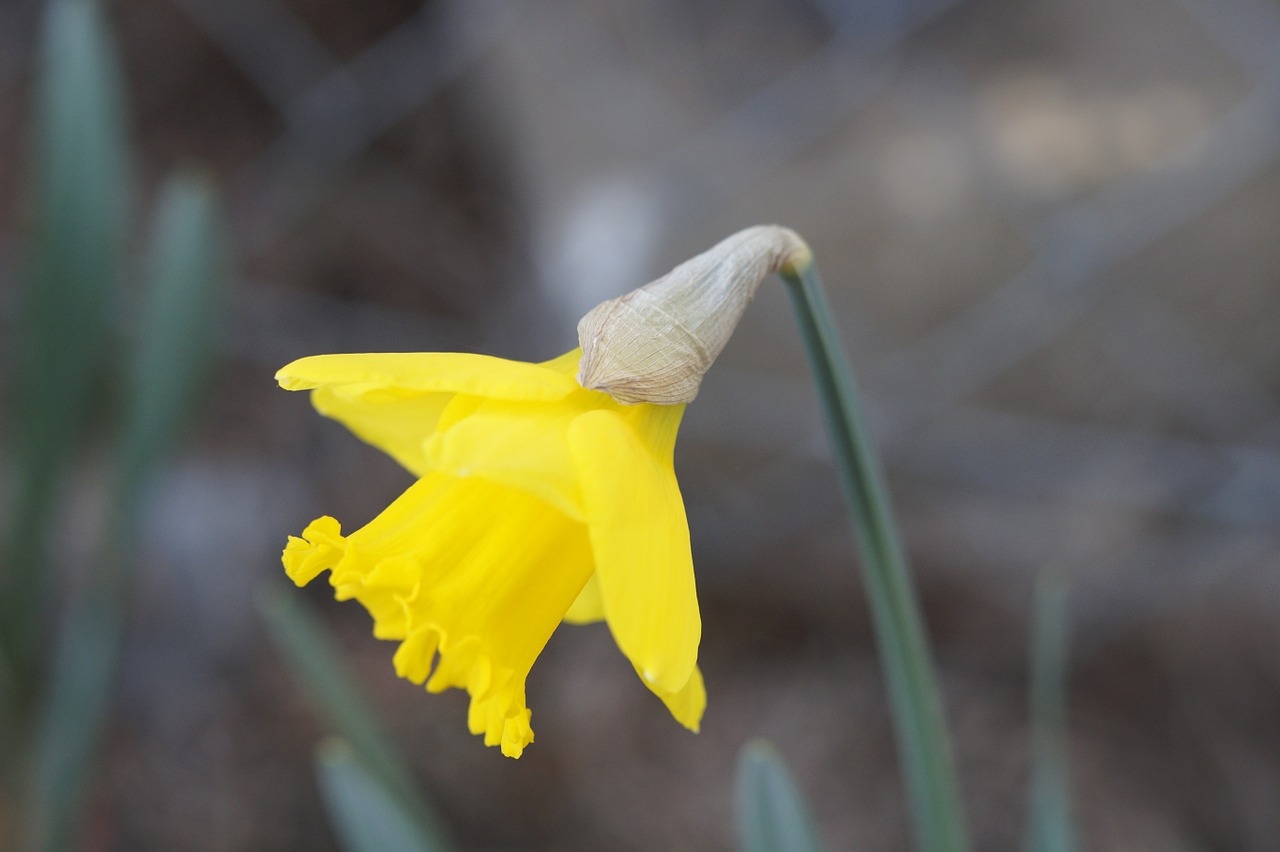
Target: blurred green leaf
(175, 334)
(78, 701)
(1050, 827)
(170, 352)
(72, 260)
(770, 812)
(367, 815)
(317, 663)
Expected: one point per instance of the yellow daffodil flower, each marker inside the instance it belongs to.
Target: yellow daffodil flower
(537, 501)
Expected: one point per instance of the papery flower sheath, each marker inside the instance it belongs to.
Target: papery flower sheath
(537, 501)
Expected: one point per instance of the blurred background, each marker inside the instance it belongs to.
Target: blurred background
(1049, 232)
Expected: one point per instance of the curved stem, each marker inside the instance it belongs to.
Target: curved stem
(928, 770)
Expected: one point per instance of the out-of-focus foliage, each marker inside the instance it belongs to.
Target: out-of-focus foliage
(367, 815)
(56, 704)
(316, 662)
(79, 199)
(1050, 827)
(769, 810)
(179, 314)
(178, 308)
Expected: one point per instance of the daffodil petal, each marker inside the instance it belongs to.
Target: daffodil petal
(687, 704)
(395, 401)
(640, 538)
(588, 608)
(566, 364)
(430, 372)
(397, 425)
(520, 444)
(472, 571)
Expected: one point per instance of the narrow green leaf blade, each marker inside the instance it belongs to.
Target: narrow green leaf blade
(172, 345)
(178, 317)
(71, 261)
(80, 205)
(316, 662)
(76, 707)
(1050, 825)
(770, 812)
(367, 816)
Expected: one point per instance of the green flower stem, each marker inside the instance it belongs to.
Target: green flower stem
(904, 649)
